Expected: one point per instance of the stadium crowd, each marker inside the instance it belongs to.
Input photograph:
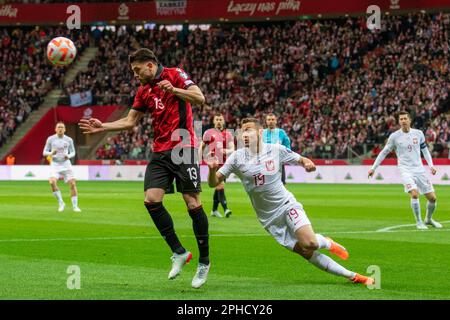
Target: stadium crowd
(335, 85)
(26, 75)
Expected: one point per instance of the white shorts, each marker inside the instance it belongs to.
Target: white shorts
(417, 181)
(283, 227)
(66, 174)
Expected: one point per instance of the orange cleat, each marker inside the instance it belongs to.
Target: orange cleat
(362, 279)
(338, 250)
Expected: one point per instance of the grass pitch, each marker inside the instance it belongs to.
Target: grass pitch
(122, 256)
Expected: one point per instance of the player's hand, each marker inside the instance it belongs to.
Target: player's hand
(370, 173)
(309, 165)
(54, 152)
(433, 171)
(91, 125)
(166, 86)
(66, 157)
(212, 161)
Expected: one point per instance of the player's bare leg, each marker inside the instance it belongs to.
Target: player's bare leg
(57, 193)
(200, 226)
(415, 205)
(216, 200)
(164, 223)
(308, 245)
(431, 206)
(74, 195)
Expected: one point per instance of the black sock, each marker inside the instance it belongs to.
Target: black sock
(215, 201)
(223, 199)
(163, 221)
(200, 226)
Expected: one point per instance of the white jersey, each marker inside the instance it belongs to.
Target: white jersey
(261, 177)
(64, 147)
(407, 146)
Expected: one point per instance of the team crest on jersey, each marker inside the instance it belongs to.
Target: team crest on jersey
(182, 73)
(415, 141)
(270, 165)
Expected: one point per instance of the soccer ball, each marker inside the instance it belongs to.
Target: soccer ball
(61, 51)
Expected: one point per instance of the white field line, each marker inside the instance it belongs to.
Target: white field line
(221, 235)
(388, 229)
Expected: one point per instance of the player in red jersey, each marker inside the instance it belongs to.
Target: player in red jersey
(221, 142)
(167, 93)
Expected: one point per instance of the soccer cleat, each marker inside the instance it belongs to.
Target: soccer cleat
(216, 214)
(76, 209)
(362, 279)
(200, 276)
(178, 261)
(433, 223)
(338, 250)
(421, 226)
(61, 207)
(228, 213)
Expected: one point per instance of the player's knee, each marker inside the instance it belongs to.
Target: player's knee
(192, 201)
(309, 244)
(432, 198)
(192, 205)
(414, 194)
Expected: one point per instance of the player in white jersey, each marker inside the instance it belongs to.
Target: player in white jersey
(258, 167)
(408, 143)
(61, 149)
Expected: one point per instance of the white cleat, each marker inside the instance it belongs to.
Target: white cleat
(228, 213)
(421, 226)
(76, 209)
(433, 223)
(200, 276)
(61, 207)
(216, 214)
(178, 262)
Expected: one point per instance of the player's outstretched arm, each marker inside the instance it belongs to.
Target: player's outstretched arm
(307, 164)
(193, 94)
(214, 177)
(382, 155)
(428, 158)
(92, 125)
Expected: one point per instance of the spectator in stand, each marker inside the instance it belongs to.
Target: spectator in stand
(335, 83)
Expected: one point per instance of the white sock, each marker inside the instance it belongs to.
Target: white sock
(324, 243)
(75, 201)
(415, 205)
(325, 263)
(58, 196)
(430, 209)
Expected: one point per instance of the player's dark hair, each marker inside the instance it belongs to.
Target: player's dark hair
(143, 55)
(402, 113)
(251, 120)
(218, 115)
(271, 114)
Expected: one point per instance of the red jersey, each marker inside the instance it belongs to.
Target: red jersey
(217, 141)
(170, 114)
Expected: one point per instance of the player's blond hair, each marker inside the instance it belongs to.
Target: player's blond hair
(251, 120)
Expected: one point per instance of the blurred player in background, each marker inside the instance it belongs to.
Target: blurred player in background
(221, 142)
(60, 149)
(167, 94)
(272, 134)
(408, 143)
(258, 167)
